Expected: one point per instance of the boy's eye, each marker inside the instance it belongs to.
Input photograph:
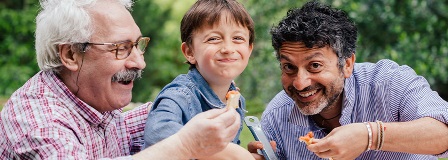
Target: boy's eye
(238, 38)
(213, 39)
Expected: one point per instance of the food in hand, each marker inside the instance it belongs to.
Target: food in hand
(308, 138)
(233, 99)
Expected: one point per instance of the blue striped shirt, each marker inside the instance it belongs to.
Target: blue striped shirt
(383, 91)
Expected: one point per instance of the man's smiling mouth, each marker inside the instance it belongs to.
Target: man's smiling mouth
(307, 94)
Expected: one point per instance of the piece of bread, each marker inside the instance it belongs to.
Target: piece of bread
(233, 99)
(308, 138)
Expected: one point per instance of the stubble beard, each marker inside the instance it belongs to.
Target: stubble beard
(326, 102)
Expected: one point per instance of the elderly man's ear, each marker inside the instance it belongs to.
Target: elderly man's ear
(69, 58)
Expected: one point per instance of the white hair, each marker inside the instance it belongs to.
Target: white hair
(63, 22)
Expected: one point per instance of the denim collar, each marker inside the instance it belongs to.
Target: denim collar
(206, 92)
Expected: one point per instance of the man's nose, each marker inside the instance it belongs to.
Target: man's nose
(136, 60)
(302, 80)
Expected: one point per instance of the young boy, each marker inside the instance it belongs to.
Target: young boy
(217, 41)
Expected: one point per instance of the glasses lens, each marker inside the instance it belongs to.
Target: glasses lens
(142, 44)
(124, 49)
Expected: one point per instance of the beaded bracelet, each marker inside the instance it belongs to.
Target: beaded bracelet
(381, 141)
(369, 130)
(378, 139)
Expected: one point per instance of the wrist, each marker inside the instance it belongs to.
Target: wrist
(380, 134)
(374, 135)
(170, 147)
(369, 135)
(182, 147)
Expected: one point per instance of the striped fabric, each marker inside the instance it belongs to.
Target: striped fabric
(383, 91)
(44, 120)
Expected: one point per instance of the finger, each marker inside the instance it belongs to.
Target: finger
(318, 145)
(325, 154)
(213, 113)
(253, 146)
(257, 156)
(273, 145)
(235, 126)
(315, 140)
(229, 118)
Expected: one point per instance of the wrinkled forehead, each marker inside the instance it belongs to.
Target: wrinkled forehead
(295, 47)
(299, 49)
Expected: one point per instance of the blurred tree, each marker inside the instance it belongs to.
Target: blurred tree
(261, 79)
(410, 32)
(160, 20)
(17, 60)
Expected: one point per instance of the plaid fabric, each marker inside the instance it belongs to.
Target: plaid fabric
(44, 120)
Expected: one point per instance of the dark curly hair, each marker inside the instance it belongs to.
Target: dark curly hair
(317, 25)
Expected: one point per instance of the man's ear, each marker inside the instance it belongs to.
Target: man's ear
(188, 53)
(349, 65)
(68, 57)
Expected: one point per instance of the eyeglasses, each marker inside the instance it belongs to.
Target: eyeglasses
(123, 49)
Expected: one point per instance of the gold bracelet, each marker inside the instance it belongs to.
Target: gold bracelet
(378, 138)
(369, 130)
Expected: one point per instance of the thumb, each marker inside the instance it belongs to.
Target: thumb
(253, 146)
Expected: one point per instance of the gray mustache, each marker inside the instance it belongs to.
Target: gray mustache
(127, 75)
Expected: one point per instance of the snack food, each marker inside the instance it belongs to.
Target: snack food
(308, 138)
(233, 99)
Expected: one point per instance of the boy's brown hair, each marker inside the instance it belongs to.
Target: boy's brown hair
(208, 12)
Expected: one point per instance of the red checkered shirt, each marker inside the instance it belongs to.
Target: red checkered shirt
(44, 120)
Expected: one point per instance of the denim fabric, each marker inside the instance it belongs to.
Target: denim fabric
(178, 102)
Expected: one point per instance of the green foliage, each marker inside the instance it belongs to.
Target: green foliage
(409, 32)
(17, 60)
(160, 20)
(412, 33)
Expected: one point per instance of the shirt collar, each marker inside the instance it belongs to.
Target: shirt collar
(204, 89)
(348, 99)
(89, 113)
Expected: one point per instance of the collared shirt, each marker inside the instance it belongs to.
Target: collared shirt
(44, 120)
(178, 102)
(383, 91)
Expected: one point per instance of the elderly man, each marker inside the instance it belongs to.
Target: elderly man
(90, 52)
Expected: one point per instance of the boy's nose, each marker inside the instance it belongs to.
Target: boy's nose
(227, 48)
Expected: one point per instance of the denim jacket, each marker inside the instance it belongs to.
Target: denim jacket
(178, 102)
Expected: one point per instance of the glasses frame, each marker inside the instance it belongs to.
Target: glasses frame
(145, 41)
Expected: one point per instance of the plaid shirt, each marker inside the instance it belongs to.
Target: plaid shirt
(44, 120)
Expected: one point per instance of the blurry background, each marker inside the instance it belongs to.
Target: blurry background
(411, 32)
